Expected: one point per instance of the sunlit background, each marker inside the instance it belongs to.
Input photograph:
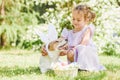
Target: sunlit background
(19, 18)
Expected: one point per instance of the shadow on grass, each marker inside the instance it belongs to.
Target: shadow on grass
(14, 71)
(82, 75)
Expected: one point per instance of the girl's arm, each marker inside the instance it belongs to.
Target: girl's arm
(85, 41)
(86, 37)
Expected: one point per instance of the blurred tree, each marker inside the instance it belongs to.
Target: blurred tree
(2, 11)
(19, 14)
(15, 16)
(2, 14)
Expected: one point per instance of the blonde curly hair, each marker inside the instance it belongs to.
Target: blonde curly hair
(88, 14)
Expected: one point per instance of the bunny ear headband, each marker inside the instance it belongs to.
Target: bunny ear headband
(50, 36)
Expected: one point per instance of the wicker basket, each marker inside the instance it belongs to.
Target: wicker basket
(71, 72)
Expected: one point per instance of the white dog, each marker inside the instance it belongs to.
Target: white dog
(53, 55)
(52, 47)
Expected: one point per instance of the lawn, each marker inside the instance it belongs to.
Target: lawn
(24, 65)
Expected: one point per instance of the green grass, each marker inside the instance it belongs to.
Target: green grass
(24, 65)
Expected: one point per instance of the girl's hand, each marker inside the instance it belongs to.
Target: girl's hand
(43, 51)
(70, 52)
(70, 55)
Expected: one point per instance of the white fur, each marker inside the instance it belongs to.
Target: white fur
(47, 61)
(52, 57)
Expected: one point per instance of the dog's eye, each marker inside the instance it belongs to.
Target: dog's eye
(66, 39)
(56, 41)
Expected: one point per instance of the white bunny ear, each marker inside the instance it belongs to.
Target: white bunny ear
(51, 36)
(52, 33)
(42, 36)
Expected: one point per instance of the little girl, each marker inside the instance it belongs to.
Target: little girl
(81, 48)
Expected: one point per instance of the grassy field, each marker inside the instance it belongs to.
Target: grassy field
(24, 65)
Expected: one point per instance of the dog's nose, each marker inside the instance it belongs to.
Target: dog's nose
(66, 39)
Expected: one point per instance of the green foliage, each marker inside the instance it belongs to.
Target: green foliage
(106, 22)
(12, 33)
(111, 48)
(31, 39)
(18, 15)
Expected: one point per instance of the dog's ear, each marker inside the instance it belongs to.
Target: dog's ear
(51, 46)
(51, 34)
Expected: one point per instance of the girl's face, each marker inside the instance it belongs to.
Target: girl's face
(78, 20)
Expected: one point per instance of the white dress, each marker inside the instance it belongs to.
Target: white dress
(85, 56)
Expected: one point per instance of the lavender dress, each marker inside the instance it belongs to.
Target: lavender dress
(85, 56)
